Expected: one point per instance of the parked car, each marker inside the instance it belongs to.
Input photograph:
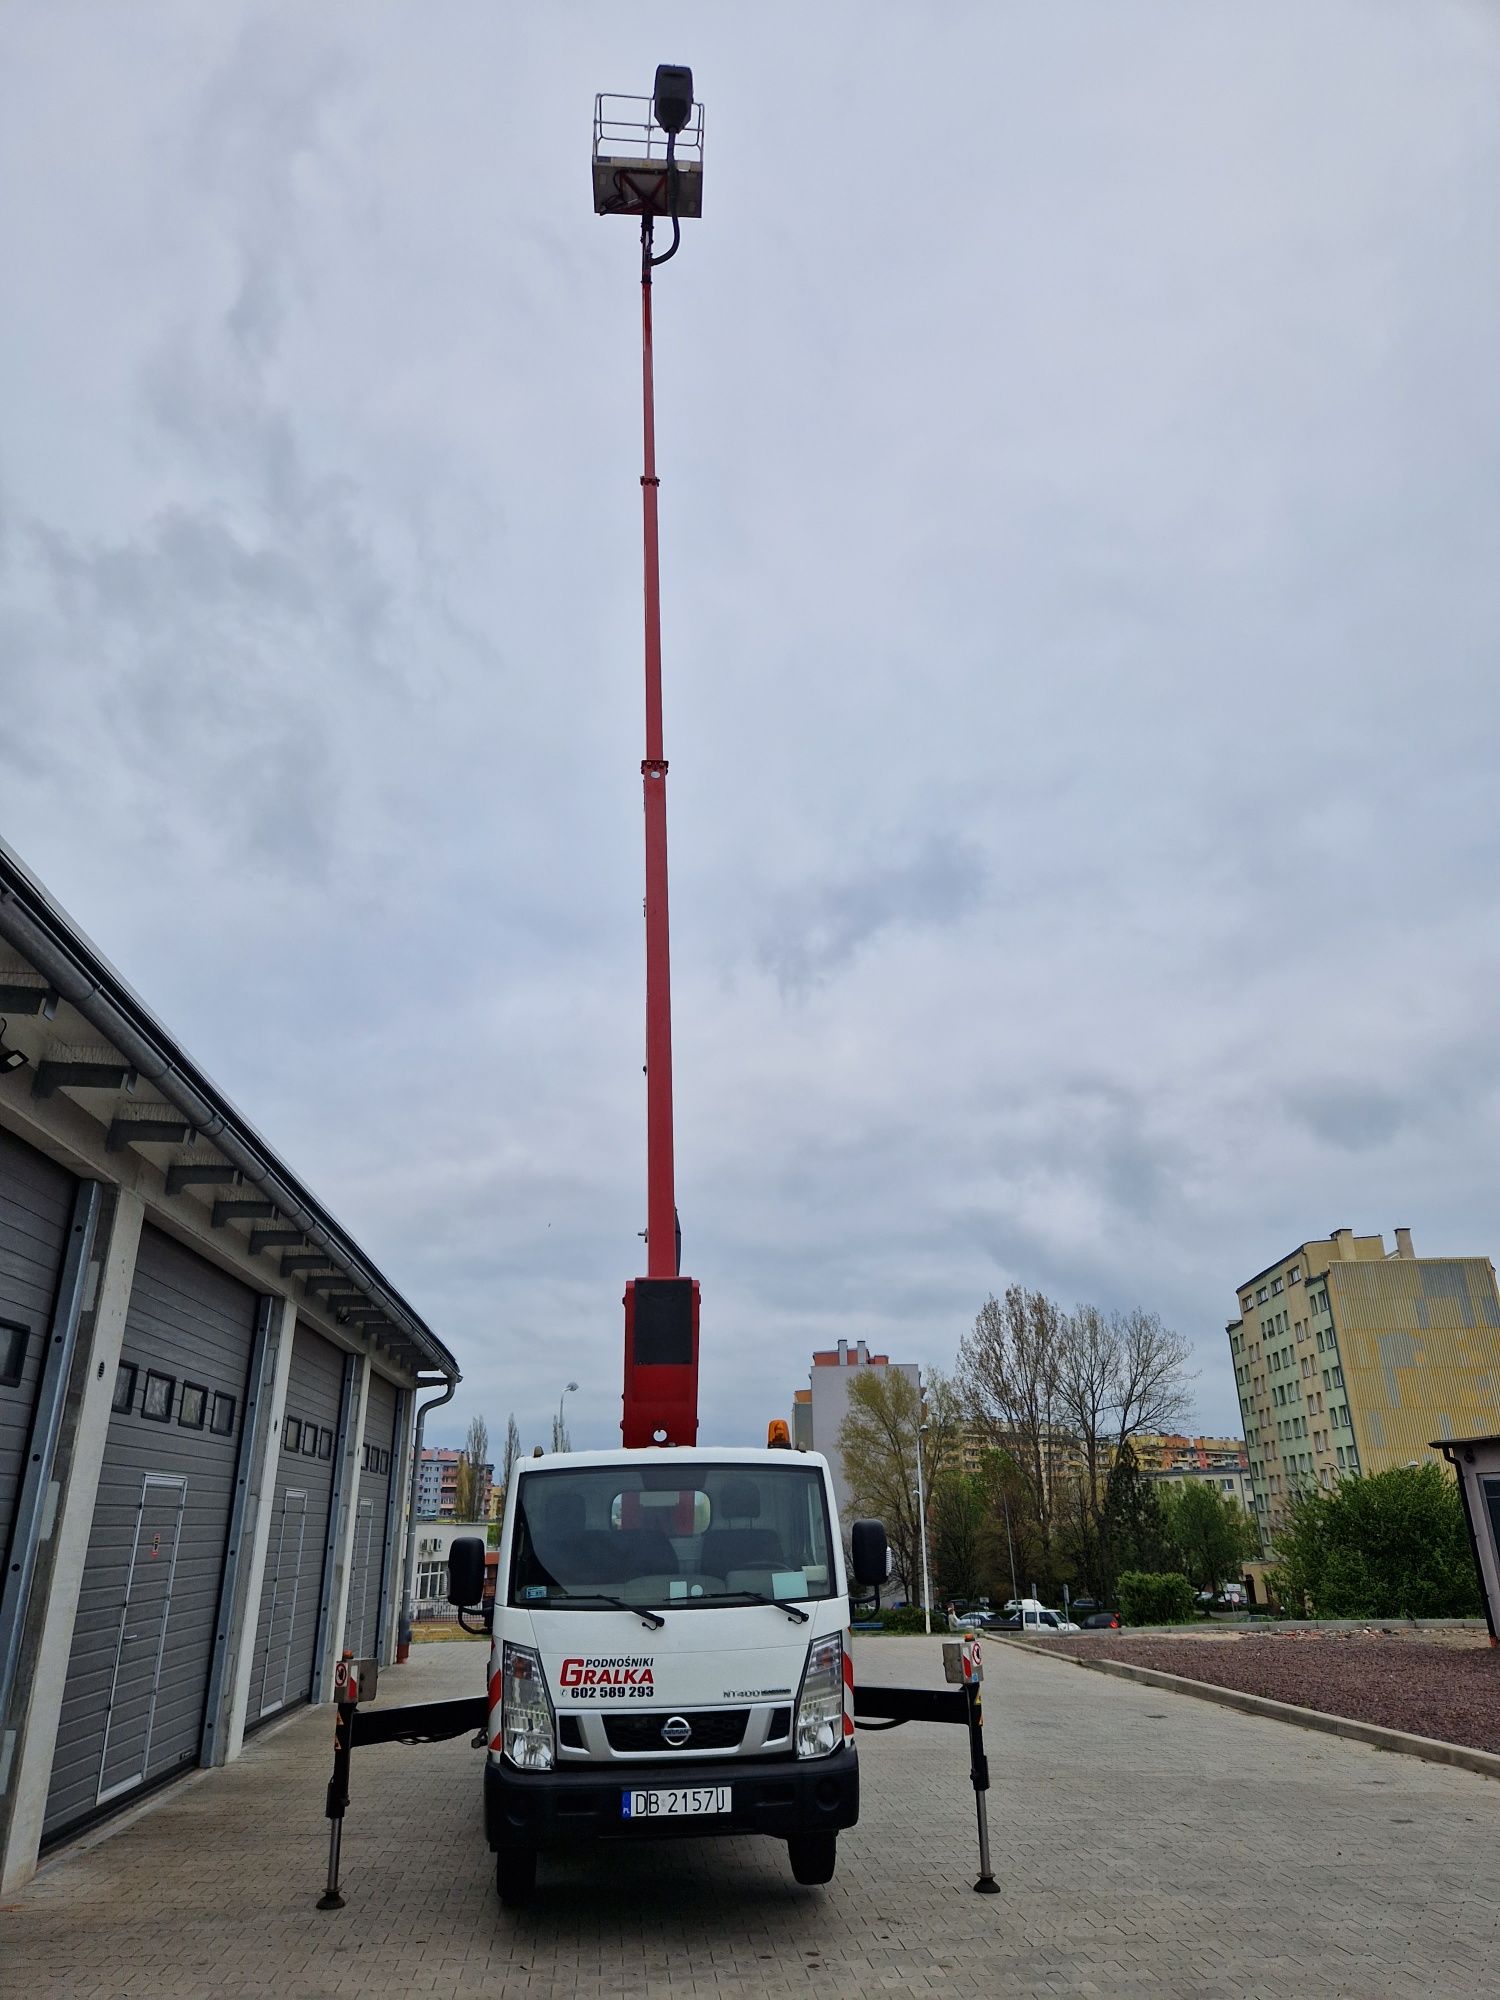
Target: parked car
(1230, 1598)
(1035, 1616)
(1102, 1621)
(1002, 1621)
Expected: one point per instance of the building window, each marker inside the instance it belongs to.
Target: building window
(221, 1417)
(1261, 1296)
(124, 1387)
(156, 1403)
(309, 1440)
(1275, 1288)
(14, 1340)
(1294, 1276)
(291, 1434)
(193, 1408)
(325, 1444)
(432, 1582)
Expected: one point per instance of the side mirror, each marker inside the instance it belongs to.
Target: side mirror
(466, 1571)
(867, 1546)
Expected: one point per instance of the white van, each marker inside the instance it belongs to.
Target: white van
(1037, 1617)
(671, 1655)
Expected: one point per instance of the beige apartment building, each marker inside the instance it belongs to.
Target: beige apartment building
(1349, 1358)
(1220, 1462)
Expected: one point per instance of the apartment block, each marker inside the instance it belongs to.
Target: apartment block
(817, 1421)
(1215, 1460)
(1349, 1358)
(1230, 1482)
(437, 1486)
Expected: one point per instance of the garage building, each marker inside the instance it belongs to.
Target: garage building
(207, 1401)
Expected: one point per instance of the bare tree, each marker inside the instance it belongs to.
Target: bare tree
(1150, 1390)
(512, 1451)
(1009, 1376)
(1118, 1376)
(1087, 1382)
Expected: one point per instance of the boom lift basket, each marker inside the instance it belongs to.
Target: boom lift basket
(630, 160)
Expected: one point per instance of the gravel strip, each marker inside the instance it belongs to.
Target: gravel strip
(1450, 1692)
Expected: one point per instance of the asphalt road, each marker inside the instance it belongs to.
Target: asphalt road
(1146, 1843)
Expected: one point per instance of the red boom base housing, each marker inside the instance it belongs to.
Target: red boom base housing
(661, 1362)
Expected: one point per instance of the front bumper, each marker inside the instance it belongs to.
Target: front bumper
(778, 1796)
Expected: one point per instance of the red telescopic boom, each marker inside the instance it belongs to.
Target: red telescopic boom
(661, 1309)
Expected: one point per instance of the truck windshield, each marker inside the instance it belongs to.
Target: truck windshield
(671, 1536)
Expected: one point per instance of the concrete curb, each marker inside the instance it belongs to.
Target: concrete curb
(1431, 1749)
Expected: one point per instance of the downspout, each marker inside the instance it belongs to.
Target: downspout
(408, 1605)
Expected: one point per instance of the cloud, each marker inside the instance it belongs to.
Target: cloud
(1078, 613)
(933, 880)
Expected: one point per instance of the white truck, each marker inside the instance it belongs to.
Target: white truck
(670, 1654)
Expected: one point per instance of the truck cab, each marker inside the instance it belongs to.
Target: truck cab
(670, 1656)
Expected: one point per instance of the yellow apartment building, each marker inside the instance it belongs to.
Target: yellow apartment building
(1349, 1357)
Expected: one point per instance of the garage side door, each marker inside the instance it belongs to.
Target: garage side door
(143, 1644)
(373, 1495)
(36, 1210)
(291, 1592)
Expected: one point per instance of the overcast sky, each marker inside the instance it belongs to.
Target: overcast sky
(1080, 440)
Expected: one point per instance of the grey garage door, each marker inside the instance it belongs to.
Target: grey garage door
(36, 1212)
(291, 1592)
(143, 1644)
(367, 1565)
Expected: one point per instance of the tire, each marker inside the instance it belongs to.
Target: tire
(515, 1876)
(813, 1857)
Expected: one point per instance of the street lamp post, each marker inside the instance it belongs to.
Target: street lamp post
(1015, 1588)
(557, 1443)
(922, 1525)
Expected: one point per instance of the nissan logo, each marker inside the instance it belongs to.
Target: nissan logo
(675, 1731)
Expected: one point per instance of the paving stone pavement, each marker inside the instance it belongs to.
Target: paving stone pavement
(1146, 1843)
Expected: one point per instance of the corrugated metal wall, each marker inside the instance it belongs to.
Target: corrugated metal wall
(36, 1209)
(138, 1674)
(1419, 1346)
(287, 1628)
(366, 1569)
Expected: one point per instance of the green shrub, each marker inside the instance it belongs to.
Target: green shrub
(1155, 1600)
(1391, 1546)
(908, 1619)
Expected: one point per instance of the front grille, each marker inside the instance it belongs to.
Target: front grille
(713, 1729)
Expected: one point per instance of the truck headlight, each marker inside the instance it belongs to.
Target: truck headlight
(820, 1705)
(527, 1735)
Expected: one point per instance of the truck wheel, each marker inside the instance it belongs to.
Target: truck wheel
(515, 1875)
(813, 1857)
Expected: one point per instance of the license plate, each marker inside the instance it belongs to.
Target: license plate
(678, 1803)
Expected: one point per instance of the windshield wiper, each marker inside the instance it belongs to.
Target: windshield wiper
(793, 1611)
(649, 1618)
